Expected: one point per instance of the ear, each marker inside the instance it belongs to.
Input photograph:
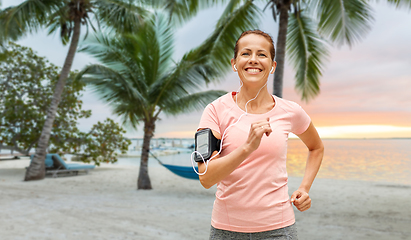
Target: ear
(233, 64)
(274, 66)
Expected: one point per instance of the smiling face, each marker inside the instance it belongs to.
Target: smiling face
(253, 61)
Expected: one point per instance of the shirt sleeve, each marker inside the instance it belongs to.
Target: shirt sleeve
(209, 119)
(300, 121)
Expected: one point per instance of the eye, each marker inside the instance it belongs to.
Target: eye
(262, 55)
(244, 54)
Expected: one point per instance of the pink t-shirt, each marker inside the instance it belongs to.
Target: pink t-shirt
(254, 197)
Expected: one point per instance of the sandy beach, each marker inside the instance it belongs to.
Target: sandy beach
(105, 204)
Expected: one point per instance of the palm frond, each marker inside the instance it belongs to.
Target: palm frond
(165, 39)
(148, 48)
(218, 49)
(211, 59)
(180, 11)
(107, 48)
(307, 52)
(344, 21)
(182, 81)
(141, 59)
(59, 20)
(109, 79)
(123, 55)
(132, 113)
(191, 102)
(27, 17)
(116, 89)
(124, 16)
(400, 3)
(10, 29)
(230, 8)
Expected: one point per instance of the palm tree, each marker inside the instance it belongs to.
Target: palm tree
(66, 16)
(303, 27)
(140, 80)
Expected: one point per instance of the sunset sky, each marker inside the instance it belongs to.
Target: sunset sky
(365, 90)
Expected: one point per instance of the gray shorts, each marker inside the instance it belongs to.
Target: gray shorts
(287, 233)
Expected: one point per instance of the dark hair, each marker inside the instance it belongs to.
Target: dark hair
(258, 32)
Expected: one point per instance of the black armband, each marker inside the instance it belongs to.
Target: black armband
(205, 144)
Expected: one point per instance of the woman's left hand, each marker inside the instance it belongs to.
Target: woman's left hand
(301, 200)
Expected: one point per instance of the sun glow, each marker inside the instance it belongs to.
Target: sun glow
(364, 131)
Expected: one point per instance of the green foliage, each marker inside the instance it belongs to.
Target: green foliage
(400, 3)
(180, 11)
(59, 15)
(27, 17)
(103, 143)
(307, 52)
(310, 23)
(27, 82)
(65, 16)
(139, 78)
(25, 79)
(343, 21)
(217, 50)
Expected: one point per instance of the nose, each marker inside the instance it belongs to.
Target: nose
(253, 58)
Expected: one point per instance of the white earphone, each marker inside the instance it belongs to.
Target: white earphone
(272, 69)
(235, 67)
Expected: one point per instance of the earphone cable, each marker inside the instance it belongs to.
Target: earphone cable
(206, 162)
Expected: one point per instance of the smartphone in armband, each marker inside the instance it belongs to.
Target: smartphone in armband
(205, 144)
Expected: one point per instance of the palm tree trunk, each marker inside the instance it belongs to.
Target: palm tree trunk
(143, 178)
(36, 170)
(280, 51)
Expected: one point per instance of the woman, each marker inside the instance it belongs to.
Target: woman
(252, 198)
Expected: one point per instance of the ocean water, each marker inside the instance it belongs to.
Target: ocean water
(385, 160)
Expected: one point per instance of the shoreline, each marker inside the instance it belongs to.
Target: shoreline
(105, 204)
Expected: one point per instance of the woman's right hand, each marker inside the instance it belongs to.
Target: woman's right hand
(257, 130)
(221, 167)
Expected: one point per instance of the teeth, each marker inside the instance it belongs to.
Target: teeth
(253, 70)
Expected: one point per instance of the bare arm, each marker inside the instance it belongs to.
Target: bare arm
(310, 137)
(221, 167)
